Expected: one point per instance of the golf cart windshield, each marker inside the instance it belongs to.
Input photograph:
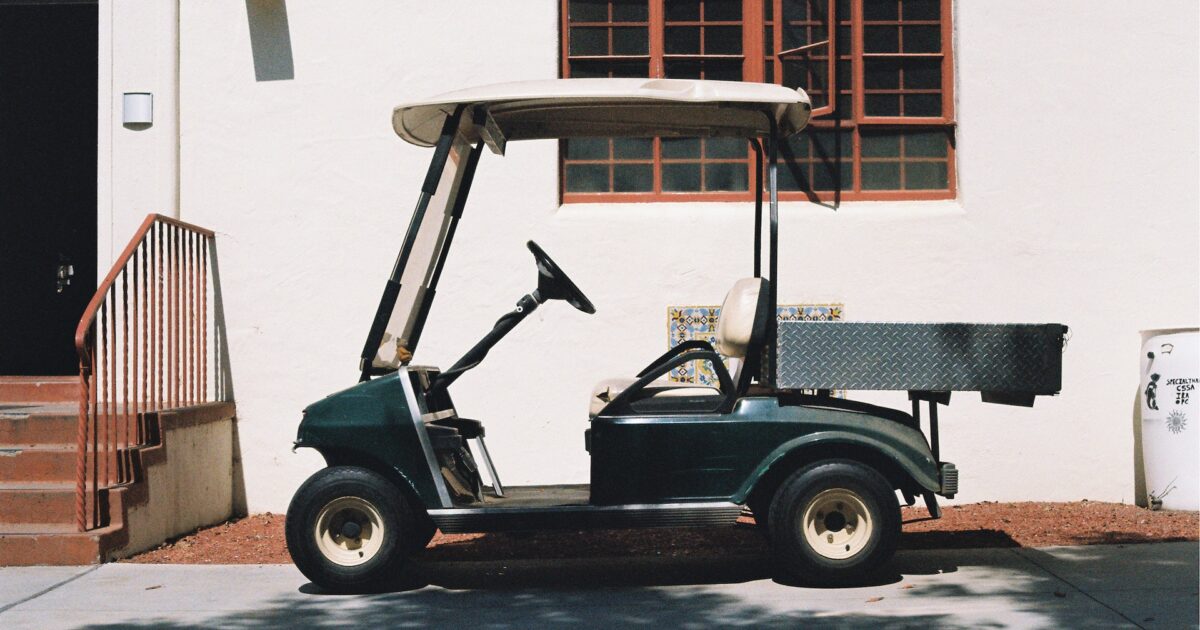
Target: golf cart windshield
(460, 123)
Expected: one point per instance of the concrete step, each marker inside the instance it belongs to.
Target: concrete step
(31, 424)
(24, 504)
(39, 388)
(38, 463)
(61, 545)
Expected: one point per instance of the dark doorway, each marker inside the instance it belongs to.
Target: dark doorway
(48, 99)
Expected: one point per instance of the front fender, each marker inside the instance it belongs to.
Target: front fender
(905, 448)
(371, 425)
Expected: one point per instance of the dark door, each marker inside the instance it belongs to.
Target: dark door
(48, 115)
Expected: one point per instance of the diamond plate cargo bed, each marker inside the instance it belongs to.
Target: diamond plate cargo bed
(1004, 361)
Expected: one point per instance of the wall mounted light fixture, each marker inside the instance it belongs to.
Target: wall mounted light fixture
(138, 108)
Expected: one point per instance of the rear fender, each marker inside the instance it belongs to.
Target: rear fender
(906, 466)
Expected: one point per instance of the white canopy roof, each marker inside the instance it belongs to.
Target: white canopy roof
(564, 108)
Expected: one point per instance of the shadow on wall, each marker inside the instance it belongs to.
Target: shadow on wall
(270, 40)
(223, 387)
(1139, 467)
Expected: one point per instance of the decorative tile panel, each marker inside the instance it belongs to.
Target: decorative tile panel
(685, 323)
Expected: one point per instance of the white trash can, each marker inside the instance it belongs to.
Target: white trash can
(1169, 397)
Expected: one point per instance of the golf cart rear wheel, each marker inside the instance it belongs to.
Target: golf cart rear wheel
(348, 528)
(834, 521)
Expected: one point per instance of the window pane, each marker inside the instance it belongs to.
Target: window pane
(881, 9)
(630, 11)
(594, 68)
(681, 177)
(922, 9)
(845, 106)
(726, 148)
(876, 144)
(720, 69)
(881, 39)
(881, 175)
(828, 176)
(923, 105)
(925, 176)
(682, 40)
(926, 144)
(723, 10)
(633, 177)
(844, 70)
(587, 11)
(829, 145)
(587, 178)
(683, 10)
(793, 176)
(881, 74)
(922, 39)
(681, 148)
(922, 74)
(723, 40)
(587, 149)
(808, 75)
(630, 40)
(768, 41)
(796, 146)
(844, 35)
(633, 148)
(589, 41)
(883, 104)
(726, 176)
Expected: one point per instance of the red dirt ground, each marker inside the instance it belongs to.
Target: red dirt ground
(258, 539)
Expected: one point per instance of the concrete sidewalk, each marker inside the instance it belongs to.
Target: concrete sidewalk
(1152, 585)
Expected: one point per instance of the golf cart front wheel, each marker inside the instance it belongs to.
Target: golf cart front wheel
(346, 528)
(834, 522)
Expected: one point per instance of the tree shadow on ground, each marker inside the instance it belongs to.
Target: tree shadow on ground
(1000, 588)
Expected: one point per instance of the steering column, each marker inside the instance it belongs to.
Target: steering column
(553, 284)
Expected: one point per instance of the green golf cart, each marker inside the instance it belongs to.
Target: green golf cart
(821, 474)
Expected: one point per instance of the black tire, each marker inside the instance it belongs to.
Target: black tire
(317, 536)
(853, 522)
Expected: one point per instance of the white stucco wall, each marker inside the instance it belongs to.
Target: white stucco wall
(137, 166)
(1077, 149)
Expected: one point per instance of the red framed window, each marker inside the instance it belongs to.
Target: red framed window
(879, 72)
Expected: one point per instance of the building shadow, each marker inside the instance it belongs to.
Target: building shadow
(223, 376)
(270, 40)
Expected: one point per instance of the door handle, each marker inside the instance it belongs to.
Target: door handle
(63, 275)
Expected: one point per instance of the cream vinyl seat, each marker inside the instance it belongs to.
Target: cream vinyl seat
(740, 329)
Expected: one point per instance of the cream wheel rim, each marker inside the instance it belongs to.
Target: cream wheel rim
(349, 531)
(837, 524)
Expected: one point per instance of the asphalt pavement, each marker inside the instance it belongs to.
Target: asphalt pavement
(1102, 586)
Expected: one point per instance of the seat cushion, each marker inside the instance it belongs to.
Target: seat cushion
(608, 389)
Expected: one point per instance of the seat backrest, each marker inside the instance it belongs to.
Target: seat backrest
(742, 326)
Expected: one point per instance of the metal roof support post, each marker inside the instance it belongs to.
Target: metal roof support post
(758, 205)
(455, 216)
(773, 287)
(391, 292)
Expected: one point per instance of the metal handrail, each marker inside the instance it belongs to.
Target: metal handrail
(164, 272)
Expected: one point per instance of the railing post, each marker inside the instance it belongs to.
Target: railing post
(168, 261)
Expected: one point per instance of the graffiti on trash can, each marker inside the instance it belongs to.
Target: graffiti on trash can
(1176, 422)
(1152, 392)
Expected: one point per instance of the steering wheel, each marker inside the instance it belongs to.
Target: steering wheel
(553, 284)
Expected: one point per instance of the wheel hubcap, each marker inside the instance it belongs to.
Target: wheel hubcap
(836, 524)
(349, 531)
